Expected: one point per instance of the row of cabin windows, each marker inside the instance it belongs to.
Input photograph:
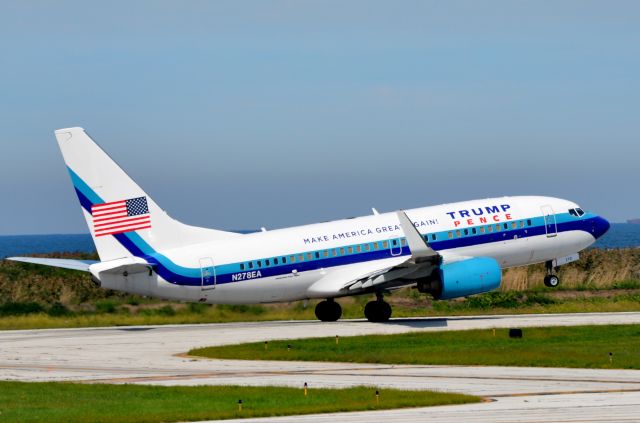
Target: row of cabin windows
(489, 228)
(335, 252)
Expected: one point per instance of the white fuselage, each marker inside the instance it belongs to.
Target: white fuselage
(283, 265)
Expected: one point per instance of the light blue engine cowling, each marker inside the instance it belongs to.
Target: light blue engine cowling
(467, 277)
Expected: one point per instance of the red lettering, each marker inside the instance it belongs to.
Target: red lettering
(456, 223)
(483, 220)
(496, 218)
(470, 222)
(508, 216)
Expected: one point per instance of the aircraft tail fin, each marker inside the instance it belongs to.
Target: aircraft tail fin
(123, 220)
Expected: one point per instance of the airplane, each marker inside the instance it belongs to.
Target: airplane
(447, 251)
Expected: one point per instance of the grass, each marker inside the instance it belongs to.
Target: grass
(118, 313)
(67, 402)
(578, 347)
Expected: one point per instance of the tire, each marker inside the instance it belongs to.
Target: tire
(377, 311)
(371, 311)
(328, 311)
(551, 281)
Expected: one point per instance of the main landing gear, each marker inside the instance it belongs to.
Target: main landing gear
(551, 280)
(328, 310)
(378, 310)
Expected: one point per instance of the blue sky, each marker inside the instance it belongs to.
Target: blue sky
(273, 113)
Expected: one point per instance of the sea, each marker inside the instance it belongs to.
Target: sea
(621, 235)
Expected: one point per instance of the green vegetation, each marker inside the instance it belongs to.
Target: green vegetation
(66, 402)
(581, 347)
(43, 297)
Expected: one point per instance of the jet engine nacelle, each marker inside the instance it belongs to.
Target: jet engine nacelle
(462, 278)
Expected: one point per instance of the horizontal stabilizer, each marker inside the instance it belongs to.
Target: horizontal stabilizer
(82, 265)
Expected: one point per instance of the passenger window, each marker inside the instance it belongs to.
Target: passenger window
(300, 257)
(489, 229)
(317, 255)
(474, 231)
(367, 247)
(498, 228)
(292, 259)
(481, 229)
(326, 253)
(267, 263)
(358, 248)
(241, 266)
(275, 261)
(528, 222)
(514, 225)
(458, 234)
(334, 252)
(375, 246)
(342, 251)
(385, 244)
(258, 263)
(521, 224)
(433, 237)
(284, 259)
(466, 231)
(250, 265)
(505, 226)
(403, 242)
(394, 242)
(350, 250)
(450, 235)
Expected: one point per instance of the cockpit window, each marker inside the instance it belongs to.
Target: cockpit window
(578, 212)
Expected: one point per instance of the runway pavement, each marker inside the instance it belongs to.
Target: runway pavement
(151, 355)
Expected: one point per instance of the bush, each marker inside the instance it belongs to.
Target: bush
(198, 308)
(105, 306)
(58, 310)
(166, 310)
(495, 299)
(539, 299)
(16, 309)
(243, 308)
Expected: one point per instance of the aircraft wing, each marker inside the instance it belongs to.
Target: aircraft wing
(82, 265)
(394, 273)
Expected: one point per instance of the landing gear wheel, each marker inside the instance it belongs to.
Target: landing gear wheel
(328, 311)
(377, 311)
(551, 281)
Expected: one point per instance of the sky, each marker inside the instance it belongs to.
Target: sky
(242, 114)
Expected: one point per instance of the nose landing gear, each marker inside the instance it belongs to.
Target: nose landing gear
(551, 280)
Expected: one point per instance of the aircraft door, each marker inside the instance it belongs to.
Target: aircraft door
(208, 273)
(395, 246)
(550, 224)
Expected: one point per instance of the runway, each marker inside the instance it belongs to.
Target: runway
(152, 355)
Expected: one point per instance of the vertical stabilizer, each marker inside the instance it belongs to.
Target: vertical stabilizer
(123, 220)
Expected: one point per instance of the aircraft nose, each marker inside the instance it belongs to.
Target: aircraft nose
(600, 226)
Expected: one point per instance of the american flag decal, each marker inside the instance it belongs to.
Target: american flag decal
(118, 217)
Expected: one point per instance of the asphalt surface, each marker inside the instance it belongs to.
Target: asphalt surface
(155, 355)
